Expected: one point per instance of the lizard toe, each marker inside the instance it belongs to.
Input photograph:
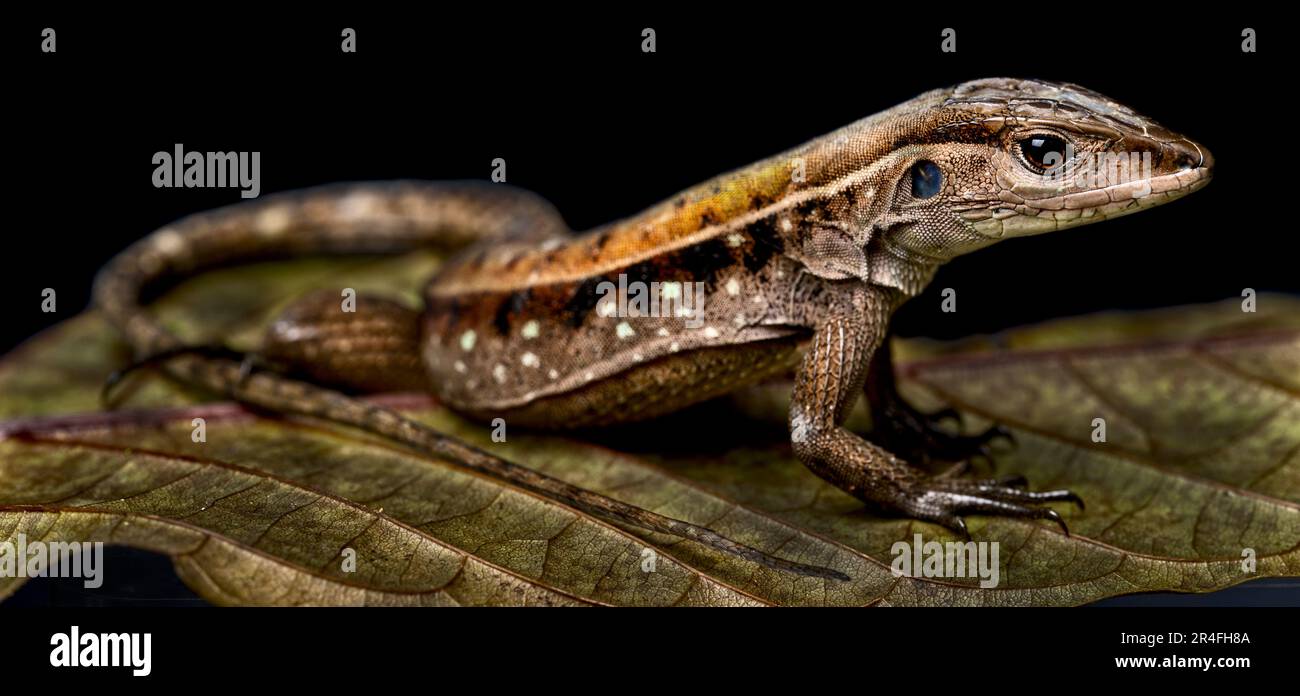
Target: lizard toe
(945, 500)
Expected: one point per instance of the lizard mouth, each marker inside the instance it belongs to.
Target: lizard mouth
(1030, 216)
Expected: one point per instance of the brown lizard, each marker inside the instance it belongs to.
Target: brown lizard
(802, 258)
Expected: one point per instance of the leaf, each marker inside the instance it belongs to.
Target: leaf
(1202, 461)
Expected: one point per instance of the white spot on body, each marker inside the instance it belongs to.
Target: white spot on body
(499, 373)
(786, 225)
(624, 330)
(169, 242)
(733, 287)
(735, 239)
(553, 374)
(467, 340)
(530, 360)
(358, 205)
(670, 290)
(272, 221)
(663, 331)
(531, 329)
(710, 332)
(460, 367)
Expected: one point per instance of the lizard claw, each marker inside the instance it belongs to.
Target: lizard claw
(1056, 517)
(956, 524)
(944, 500)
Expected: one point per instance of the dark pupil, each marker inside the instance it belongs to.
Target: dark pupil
(926, 179)
(1043, 151)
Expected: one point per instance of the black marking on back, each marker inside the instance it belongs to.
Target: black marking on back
(703, 261)
(806, 209)
(645, 271)
(767, 243)
(582, 301)
(451, 310)
(511, 306)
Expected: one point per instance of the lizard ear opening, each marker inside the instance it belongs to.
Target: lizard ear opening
(927, 179)
(830, 253)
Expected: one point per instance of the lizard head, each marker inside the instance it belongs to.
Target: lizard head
(1029, 157)
(965, 167)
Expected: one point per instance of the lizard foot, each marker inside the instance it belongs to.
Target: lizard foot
(944, 500)
(916, 435)
(905, 430)
(109, 394)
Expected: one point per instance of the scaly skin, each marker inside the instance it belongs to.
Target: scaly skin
(804, 257)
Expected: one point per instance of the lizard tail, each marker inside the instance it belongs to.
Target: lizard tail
(369, 218)
(352, 219)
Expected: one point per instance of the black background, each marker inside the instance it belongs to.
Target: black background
(586, 119)
(583, 117)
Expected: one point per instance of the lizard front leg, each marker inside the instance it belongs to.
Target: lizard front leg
(828, 383)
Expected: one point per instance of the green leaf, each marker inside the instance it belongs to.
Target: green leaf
(1201, 463)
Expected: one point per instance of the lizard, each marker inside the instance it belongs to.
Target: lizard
(803, 258)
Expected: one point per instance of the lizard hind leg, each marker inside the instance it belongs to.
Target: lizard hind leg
(306, 339)
(111, 396)
(367, 346)
(370, 346)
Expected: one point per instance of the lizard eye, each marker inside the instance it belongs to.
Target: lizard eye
(926, 179)
(1042, 152)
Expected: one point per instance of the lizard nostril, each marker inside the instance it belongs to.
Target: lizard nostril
(1187, 156)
